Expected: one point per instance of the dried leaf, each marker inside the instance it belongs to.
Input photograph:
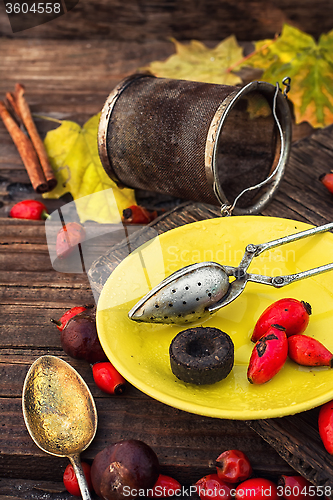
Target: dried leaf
(73, 153)
(309, 65)
(196, 62)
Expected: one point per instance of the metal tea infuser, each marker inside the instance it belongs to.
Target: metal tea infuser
(216, 144)
(198, 290)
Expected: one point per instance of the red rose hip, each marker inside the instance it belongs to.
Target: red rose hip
(268, 356)
(327, 180)
(325, 426)
(257, 489)
(29, 209)
(292, 314)
(108, 379)
(138, 215)
(308, 351)
(71, 483)
(233, 466)
(164, 487)
(61, 323)
(68, 237)
(295, 487)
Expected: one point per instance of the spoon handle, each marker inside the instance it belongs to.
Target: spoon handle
(81, 479)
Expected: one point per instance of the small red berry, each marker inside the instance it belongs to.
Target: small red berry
(257, 489)
(70, 482)
(108, 379)
(164, 487)
(325, 426)
(29, 209)
(211, 487)
(327, 180)
(308, 351)
(70, 314)
(295, 488)
(68, 237)
(233, 466)
(292, 314)
(268, 356)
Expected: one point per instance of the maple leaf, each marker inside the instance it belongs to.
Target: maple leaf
(196, 62)
(73, 154)
(309, 64)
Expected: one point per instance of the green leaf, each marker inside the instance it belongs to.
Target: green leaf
(73, 153)
(309, 65)
(196, 62)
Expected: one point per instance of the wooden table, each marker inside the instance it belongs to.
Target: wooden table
(71, 81)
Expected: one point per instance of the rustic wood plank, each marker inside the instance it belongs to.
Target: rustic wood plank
(147, 20)
(53, 278)
(27, 323)
(80, 74)
(187, 445)
(11, 489)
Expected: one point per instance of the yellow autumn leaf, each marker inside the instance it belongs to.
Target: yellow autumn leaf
(194, 61)
(73, 154)
(309, 64)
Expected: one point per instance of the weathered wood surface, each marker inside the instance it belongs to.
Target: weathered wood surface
(72, 81)
(183, 19)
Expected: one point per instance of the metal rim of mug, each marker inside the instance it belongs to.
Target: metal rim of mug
(213, 136)
(104, 122)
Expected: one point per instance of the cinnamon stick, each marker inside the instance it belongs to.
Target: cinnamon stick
(11, 103)
(25, 114)
(26, 151)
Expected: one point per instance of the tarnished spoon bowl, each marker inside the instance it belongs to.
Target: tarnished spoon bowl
(59, 412)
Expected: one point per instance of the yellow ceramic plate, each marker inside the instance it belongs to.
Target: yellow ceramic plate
(140, 351)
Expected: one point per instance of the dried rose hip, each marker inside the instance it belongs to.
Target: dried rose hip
(29, 209)
(211, 487)
(268, 356)
(292, 314)
(233, 466)
(308, 351)
(325, 425)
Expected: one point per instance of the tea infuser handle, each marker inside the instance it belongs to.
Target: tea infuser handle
(226, 210)
(280, 281)
(258, 249)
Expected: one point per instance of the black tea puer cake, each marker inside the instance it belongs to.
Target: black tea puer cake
(201, 355)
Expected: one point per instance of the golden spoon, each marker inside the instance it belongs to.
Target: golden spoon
(59, 412)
